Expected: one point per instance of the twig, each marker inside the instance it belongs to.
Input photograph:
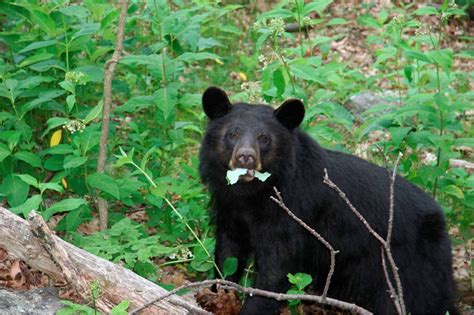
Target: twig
(333, 252)
(391, 290)
(109, 69)
(398, 299)
(258, 292)
(393, 176)
(61, 258)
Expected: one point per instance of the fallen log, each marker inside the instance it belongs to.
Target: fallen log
(117, 283)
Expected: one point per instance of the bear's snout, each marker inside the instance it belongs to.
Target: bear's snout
(246, 158)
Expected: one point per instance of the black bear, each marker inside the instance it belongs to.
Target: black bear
(261, 139)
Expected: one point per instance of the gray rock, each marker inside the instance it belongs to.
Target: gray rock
(42, 301)
(361, 102)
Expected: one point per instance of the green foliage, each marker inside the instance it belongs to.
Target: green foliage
(299, 282)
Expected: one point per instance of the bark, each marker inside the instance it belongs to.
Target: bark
(117, 283)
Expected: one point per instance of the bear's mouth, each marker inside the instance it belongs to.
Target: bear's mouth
(245, 175)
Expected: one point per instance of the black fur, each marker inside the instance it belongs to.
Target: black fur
(249, 223)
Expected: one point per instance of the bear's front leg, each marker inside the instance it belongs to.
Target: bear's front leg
(272, 266)
(229, 244)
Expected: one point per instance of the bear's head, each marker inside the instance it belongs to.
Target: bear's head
(247, 136)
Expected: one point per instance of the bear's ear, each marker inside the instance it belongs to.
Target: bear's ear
(215, 102)
(290, 114)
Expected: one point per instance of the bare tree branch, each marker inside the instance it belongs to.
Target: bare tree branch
(391, 289)
(333, 252)
(109, 69)
(61, 258)
(398, 299)
(258, 292)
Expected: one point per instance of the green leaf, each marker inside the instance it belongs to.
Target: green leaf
(74, 161)
(453, 191)
(192, 57)
(50, 186)
(4, 152)
(45, 21)
(319, 6)
(37, 45)
(67, 85)
(443, 57)
(30, 204)
(70, 101)
(304, 72)
(408, 73)
(135, 104)
(96, 112)
(427, 10)
(63, 206)
(75, 11)
(104, 183)
(29, 158)
(30, 180)
(230, 266)
(120, 309)
(301, 280)
(35, 59)
(15, 190)
(279, 81)
(417, 55)
(59, 149)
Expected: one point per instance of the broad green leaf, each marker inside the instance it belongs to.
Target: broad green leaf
(63, 206)
(30, 180)
(35, 59)
(427, 10)
(74, 161)
(417, 55)
(59, 149)
(37, 45)
(192, 57)
(104, 183)
(135, 104)
(15, 190)
(230, 266)
(67, 85)
(443, 57)
(45, 21)
(279, 81)
(453, 191)
(96, 112)
(75, 11)
(50, 186)
(4, 152)
(319, 6)
(70, 101)
(277, 13)
(30, 204)
(29, 158)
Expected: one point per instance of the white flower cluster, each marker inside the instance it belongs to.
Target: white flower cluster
(276, 26)
(75, 76)
(253, 91)
(181, 254)
(76, 125)
(398, 21)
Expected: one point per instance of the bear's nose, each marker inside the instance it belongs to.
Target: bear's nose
(246, 158)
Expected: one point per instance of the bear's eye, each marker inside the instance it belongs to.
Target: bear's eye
(264, 139)
(233, 134)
